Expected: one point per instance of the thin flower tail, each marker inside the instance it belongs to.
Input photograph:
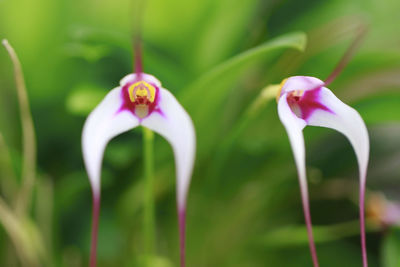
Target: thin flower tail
(347, 121)
(294, 128)
(105, 122)
(95, 229)
(174, 124)
(182, 235)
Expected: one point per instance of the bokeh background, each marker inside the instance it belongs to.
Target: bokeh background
(244, 206)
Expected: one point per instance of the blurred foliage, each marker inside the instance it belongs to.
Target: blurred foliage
(244, 207)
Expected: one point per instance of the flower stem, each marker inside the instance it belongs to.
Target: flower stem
(138, 9)
(148, 217)
(360, 34)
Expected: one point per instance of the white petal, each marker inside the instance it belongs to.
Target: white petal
(100, 127)
(294, 128)
(301, 83)
(175, 125)
(346, 120)
(147, 77)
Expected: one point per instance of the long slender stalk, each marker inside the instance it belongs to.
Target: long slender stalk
(148, 217)
(360, 34)
(44, 214)
(28, 135)
(9, 181)
(138, 9)
(182, 235)
(362, 224)
(307, 218)
(95, 229)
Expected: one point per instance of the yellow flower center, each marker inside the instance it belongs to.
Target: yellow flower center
(142, 90)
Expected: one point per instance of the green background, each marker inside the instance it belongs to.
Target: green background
(244, 205)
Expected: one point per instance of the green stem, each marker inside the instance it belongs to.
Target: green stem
(28, 136)
(8, 183)
(149, 217)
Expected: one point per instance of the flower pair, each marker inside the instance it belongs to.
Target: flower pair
(141, 100)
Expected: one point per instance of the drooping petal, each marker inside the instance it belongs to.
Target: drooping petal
(346, 120)
(105, 122)
(174, 124)
(294, 127)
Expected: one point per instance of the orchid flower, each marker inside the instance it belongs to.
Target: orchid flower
(139, 100)
(306, 101)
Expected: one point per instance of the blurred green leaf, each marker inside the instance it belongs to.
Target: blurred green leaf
(205, 97)
(297, 235)
(391, 248)
(24, 235)
(379, 108)
(91, 53)
(232, 66)
(231, 23)
(154, 261)
(84, 98)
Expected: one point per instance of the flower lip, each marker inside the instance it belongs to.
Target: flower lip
(140, 95)
(303, 95)
(142, 92)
